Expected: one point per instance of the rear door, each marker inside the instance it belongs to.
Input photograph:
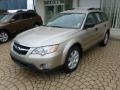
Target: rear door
(90, 31)
(27, 20)
(101, 25)
(105, 20)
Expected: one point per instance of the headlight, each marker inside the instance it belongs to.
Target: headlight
(45, 50)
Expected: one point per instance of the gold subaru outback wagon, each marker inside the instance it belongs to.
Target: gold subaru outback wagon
(61, 42)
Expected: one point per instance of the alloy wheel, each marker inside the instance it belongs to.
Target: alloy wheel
(3, 37)
(73, 59)
(106, 39)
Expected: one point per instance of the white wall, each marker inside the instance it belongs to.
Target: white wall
(30, 4)
(90, 3)
(40, 8)
(75, 3)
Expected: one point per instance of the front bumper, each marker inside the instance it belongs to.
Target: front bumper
(46, 62)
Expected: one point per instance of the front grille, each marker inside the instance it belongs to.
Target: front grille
(20, 49)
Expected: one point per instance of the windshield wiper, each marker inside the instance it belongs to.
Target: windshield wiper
(57, 26)
(53, 26)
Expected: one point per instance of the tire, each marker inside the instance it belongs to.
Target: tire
(4, 36)
(72, 59)
(105, 41)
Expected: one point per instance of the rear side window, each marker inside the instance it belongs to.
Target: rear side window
(17, 17)
(29, 15)
(98, 17)
(32, 14)
(26, 16)
(103, 15)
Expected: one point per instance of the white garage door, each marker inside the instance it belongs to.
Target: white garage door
(90, 3)
(112, 9)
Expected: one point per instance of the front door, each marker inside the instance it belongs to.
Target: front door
(15, 26)
(21, 23)
(27, 20)
(91, 31)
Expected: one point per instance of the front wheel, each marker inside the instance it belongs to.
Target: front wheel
(72, 59)
(4, 36)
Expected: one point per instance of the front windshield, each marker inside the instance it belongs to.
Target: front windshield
(67, 20)
(6, 18)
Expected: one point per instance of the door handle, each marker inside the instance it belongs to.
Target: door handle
(105, 25)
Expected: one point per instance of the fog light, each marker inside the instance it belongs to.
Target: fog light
(43, 66)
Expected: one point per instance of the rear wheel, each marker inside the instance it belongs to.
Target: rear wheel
(72, 59)
(4, 36)
(105, 41)
(36, 25)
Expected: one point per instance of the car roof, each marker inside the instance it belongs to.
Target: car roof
(20, 11)
(17, 10)
(83, 10)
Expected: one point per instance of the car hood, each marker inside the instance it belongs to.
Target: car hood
(42, 36)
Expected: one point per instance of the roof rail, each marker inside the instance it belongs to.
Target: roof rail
(94, 9)
(19, 11)
(31, 11)
(87, 8)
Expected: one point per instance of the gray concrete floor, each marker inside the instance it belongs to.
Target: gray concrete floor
(115, 34)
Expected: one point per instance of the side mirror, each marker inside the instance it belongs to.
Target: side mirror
(12, 20)
(89, 26)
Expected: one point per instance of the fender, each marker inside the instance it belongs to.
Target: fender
(67, 47)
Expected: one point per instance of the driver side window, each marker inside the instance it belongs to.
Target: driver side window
(90, 21)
